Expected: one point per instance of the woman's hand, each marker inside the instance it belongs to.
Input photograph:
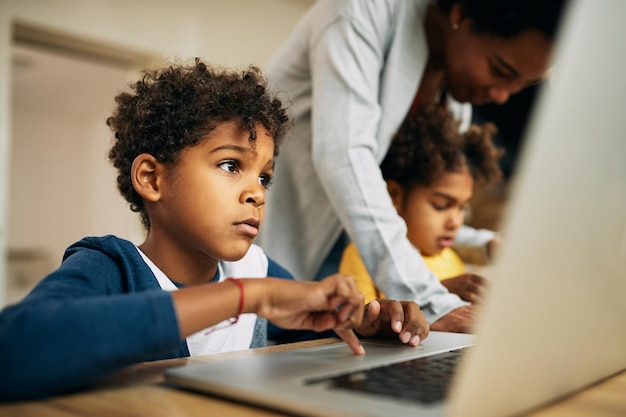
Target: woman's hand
(403, 319)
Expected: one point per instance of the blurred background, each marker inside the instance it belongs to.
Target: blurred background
(61, 64)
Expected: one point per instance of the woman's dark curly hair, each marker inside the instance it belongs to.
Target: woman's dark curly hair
(429, 144)
(176, 106)
(507, 18)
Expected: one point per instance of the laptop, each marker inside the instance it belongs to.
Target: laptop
(554, 320)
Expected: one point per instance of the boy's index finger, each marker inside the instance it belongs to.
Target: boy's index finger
(353, 342)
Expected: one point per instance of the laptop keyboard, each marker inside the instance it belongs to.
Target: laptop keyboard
(423, 380)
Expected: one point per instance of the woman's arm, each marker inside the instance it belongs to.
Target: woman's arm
(351, 63)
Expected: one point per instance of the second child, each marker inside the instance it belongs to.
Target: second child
(431, 170)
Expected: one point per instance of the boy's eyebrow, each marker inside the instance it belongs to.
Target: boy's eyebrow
(241, 149)
(231, 148)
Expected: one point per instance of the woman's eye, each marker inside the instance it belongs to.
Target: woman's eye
(229, 166)
(497, 72)
(265, 180)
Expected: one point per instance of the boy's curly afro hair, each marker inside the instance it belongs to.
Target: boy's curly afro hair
(176, 106)
(429, 144)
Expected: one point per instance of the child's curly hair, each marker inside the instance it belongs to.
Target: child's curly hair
(174, 107)
(429, 144)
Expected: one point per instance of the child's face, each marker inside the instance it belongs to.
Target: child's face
(213, 202)
(434, 214)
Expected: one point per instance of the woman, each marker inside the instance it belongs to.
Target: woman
(353, 70)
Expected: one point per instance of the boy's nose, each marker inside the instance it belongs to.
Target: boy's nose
(255, 195)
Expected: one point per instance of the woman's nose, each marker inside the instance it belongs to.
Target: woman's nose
(499, 95)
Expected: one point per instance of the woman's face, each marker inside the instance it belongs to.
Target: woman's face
(481, 68)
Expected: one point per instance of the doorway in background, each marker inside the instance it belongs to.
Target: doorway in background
(61, 185)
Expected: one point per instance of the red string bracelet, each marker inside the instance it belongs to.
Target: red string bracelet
(241, 298)
(231, 320)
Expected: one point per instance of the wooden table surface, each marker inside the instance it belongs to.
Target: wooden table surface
(140, 390)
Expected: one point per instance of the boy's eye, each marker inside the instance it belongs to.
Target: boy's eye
(229, 166)
(265, 180)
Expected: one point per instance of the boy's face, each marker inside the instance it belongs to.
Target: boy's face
(434, 214)
(212, 203)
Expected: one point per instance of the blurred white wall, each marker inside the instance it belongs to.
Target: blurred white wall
(56, 184)
(230, 32)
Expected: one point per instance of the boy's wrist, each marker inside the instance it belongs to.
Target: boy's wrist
(252, 298)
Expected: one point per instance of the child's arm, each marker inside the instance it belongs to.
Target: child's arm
(470, 287)
(50, 346)
(333, 303)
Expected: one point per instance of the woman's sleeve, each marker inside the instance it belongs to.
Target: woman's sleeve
(348, 61)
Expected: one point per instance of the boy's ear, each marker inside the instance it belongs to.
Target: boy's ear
(396, 192)
(144, 175)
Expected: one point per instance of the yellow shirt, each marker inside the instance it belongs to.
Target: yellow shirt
(445, 265)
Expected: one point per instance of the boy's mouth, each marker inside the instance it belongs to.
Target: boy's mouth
(254, 222)
(249, 226)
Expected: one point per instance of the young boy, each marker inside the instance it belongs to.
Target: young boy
(194, 149)
(430, 171)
